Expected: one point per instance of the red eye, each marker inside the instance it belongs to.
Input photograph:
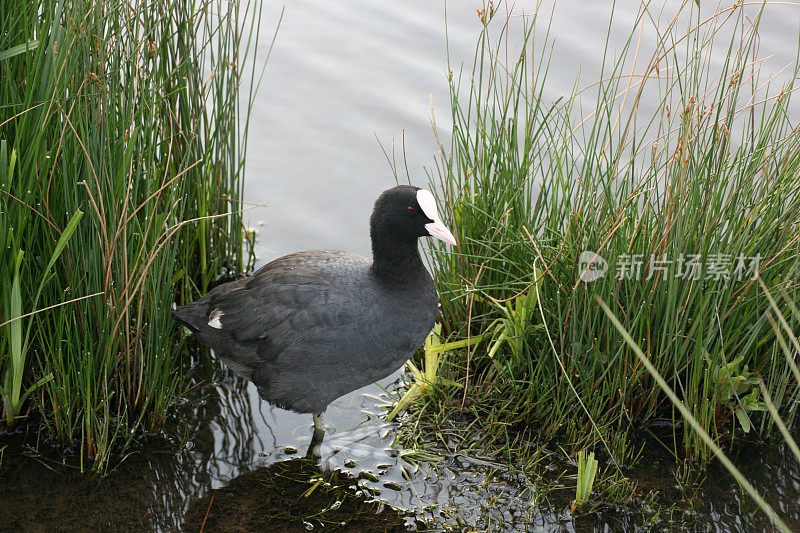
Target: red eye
(411, 210)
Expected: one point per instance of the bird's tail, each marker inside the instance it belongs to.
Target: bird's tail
(190, 315)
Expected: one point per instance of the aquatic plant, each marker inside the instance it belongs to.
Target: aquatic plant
(697, 425)
(426, 378)
(666, 188)
(515, 324)
(587, 470)
(131, 114)
(11, 392)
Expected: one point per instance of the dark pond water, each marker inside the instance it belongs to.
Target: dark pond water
(341, 74)
(230, 462)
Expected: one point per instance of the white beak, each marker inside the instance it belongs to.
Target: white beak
(439, 230)
(436, 228)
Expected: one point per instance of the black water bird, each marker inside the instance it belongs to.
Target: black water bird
(312, 326)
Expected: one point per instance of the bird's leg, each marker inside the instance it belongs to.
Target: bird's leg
(316, 438)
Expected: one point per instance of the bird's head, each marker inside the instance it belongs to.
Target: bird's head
(406, 213)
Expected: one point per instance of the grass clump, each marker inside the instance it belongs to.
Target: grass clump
(129, 114)
(701, 431)
(674, 173)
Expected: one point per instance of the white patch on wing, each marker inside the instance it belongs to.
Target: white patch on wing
(214, 318)
(427, 203)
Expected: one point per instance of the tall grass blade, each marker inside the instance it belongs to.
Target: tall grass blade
(17, 50)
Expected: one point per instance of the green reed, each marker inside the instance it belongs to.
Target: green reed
(782, 331)
(130, 114)
(529, 183)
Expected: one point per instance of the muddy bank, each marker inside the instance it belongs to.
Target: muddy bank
(144, 493)
(291, 496)
(39, 493)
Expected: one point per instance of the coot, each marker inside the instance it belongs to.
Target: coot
(312, 326)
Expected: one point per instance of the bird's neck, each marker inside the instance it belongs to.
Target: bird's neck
(396, 261)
